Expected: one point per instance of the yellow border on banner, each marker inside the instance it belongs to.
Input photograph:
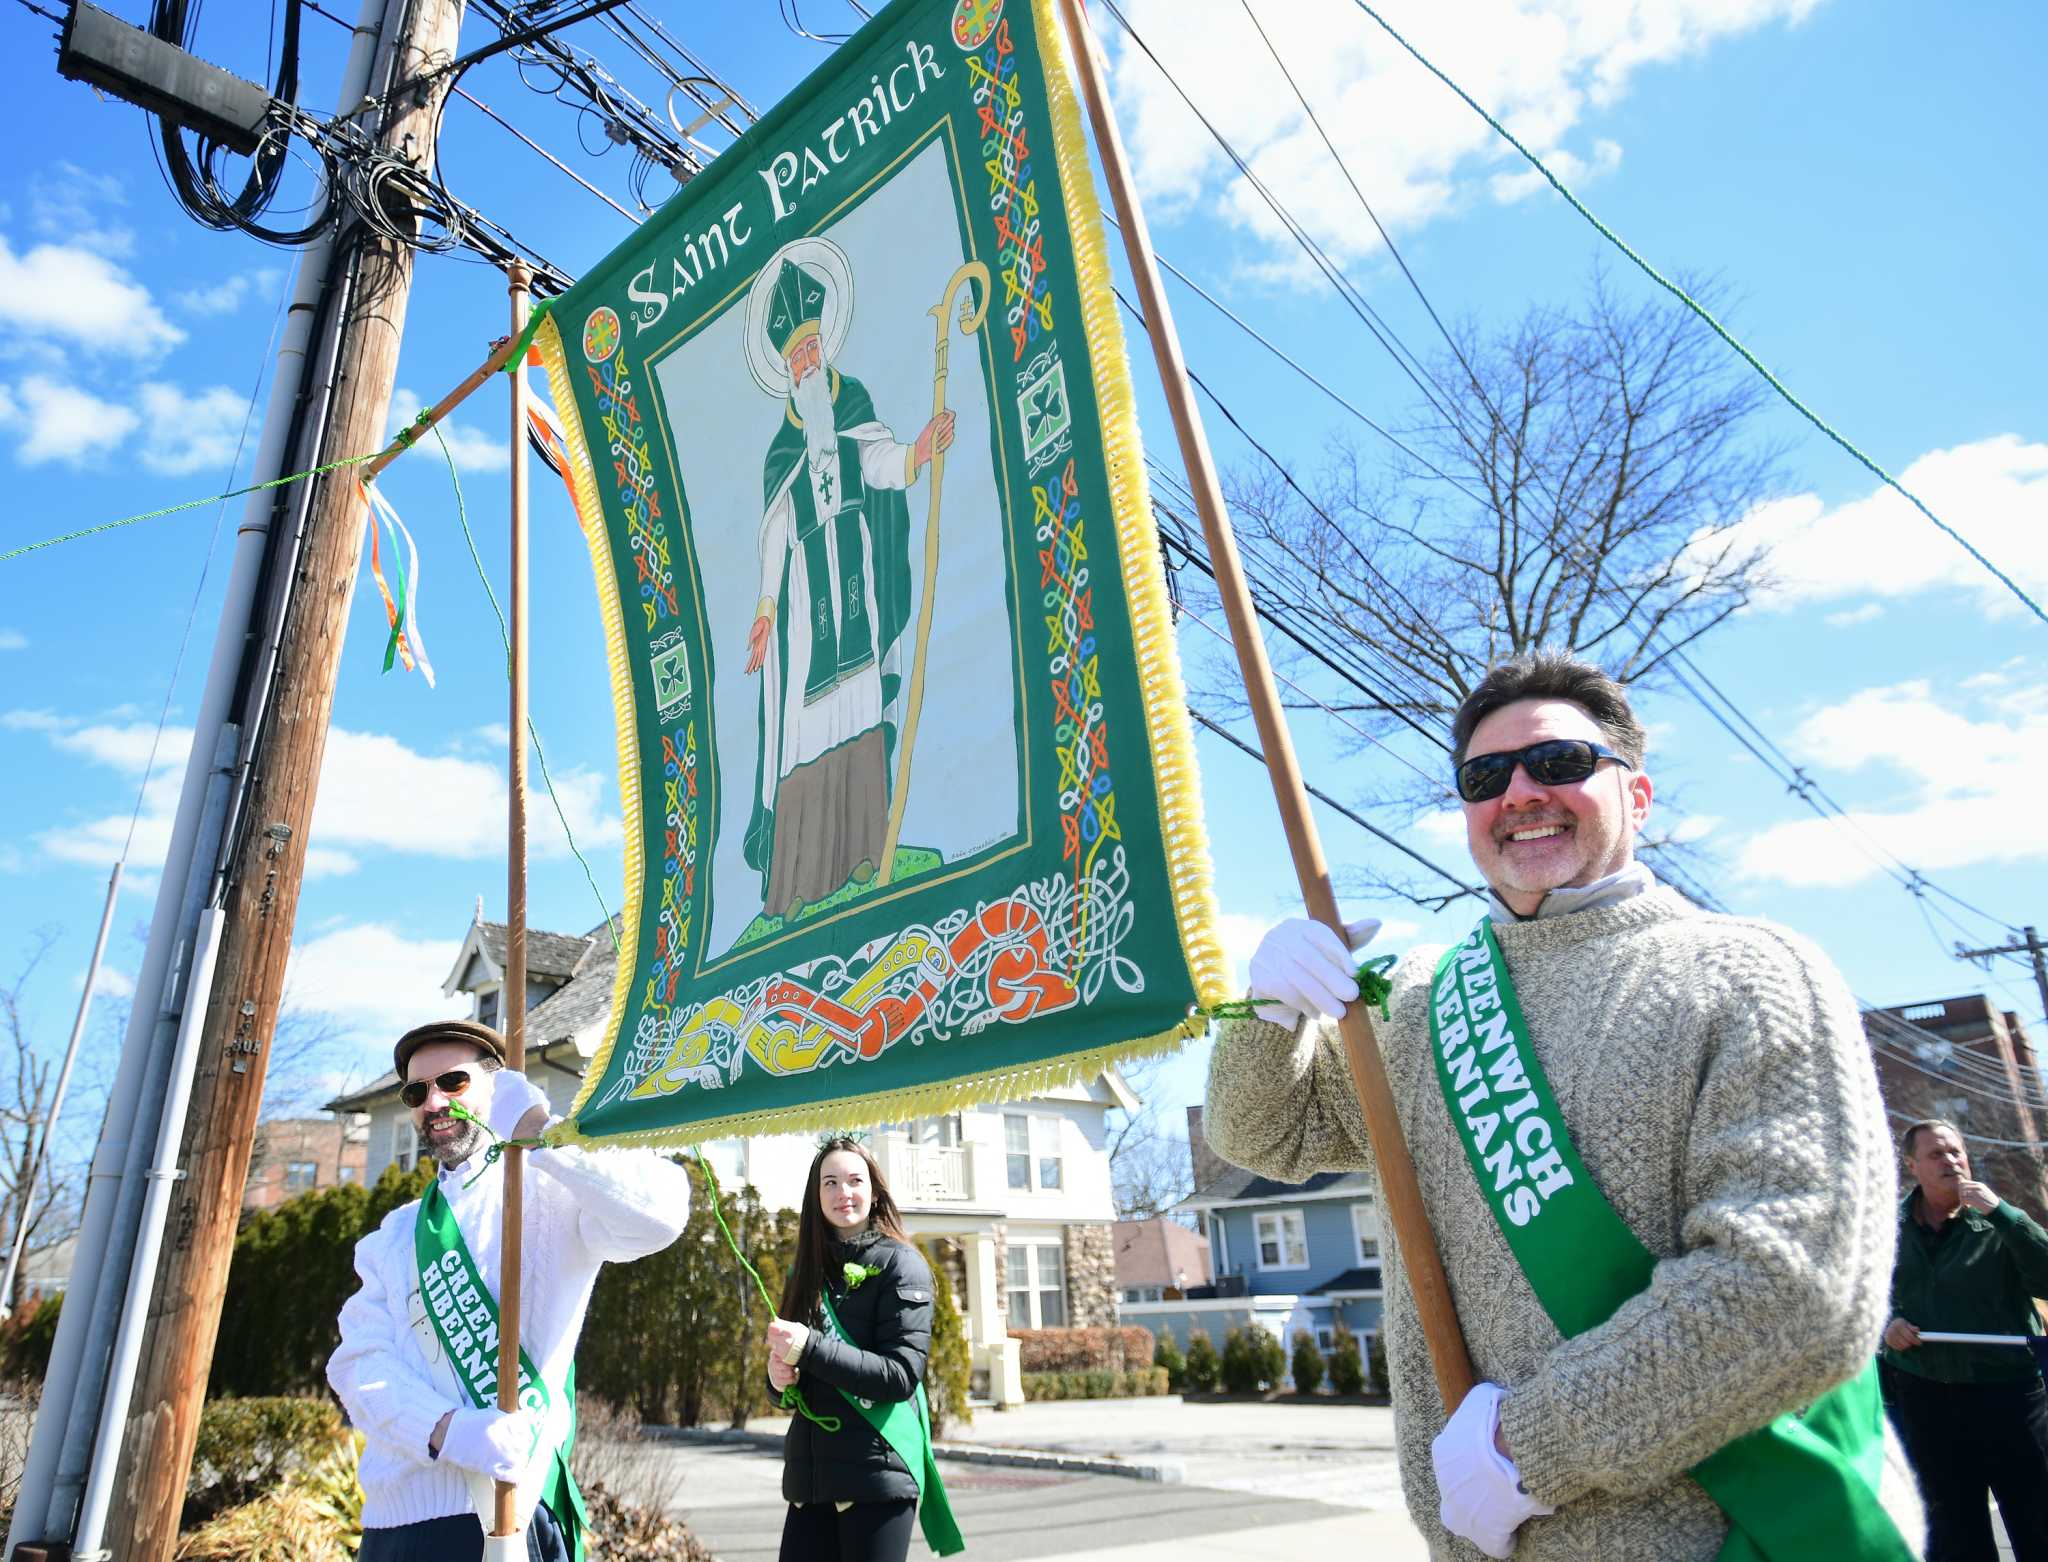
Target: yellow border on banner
(1176, 778)
(590, 512)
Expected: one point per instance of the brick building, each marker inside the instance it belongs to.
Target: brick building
(295, 1155)
(1966, 1060)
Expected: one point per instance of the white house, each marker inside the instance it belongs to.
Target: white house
(1014, 1198)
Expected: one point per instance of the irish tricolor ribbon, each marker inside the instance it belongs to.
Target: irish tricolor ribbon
(401, 607)
(544, 433)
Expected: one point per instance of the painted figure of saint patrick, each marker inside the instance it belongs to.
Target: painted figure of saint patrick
(835, 591)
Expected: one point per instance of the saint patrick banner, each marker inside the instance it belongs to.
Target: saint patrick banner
(912, 816)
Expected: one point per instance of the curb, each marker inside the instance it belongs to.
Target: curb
(1169, 1472)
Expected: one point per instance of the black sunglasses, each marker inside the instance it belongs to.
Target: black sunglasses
(414, 1091)
(1554, 762)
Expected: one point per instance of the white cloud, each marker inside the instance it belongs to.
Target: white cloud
(1850, 617)
(224, 297)
(446, 806)
(62, 293)
(112, 983)
(1993, 491)
(324, 862)
(1573, 170)
(66, 202)
(452, 807)
(1418, 152)
(60, 422)
(472, 448)
(13, 640)
(1963, 775)
(189, 433)
(372, 977)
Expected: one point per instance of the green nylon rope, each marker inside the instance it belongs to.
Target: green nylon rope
(1701, 310)
(1373, 990)
(189, 504)
(792, 1397)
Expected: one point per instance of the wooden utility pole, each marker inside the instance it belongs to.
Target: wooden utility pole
(2028, 943)
(1400, 1193)
(269, 854)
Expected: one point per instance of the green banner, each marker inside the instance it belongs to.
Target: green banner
(911, 804)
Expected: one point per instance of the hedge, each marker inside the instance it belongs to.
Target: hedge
(1096, 1383)
(1082, 1350)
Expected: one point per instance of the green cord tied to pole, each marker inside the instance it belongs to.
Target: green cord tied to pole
(495, 1150)
(1373, 988)
(792, 1397)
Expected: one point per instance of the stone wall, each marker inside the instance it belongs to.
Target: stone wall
(1091, 1276)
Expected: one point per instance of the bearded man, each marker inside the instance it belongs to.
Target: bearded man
(834, 601)
(1653, 1154)
(417, 1365)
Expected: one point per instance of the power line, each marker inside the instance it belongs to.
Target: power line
(1356, 818)
(1706, 315)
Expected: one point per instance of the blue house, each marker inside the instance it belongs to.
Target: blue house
(1285, 1256)
(1315, 1242)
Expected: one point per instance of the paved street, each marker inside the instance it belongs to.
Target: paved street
(731, 1498)
(1245, 1481)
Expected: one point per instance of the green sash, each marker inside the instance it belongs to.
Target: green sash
(906, 1426)
(1803, 1487)
(465, 1316)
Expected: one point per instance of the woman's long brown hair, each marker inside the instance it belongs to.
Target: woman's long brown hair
(813, 1230)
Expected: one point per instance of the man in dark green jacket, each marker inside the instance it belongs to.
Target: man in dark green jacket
(1973, 1418)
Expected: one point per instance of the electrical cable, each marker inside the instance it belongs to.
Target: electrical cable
(1356, 818)
(1706, 315)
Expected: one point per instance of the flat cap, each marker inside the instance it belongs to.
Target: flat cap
(468, 1031)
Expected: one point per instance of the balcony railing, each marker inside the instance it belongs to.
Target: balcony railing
(928, 1173)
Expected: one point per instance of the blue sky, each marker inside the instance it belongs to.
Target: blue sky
(1857, 176)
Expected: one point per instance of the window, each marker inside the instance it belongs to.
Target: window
(1365, 1226)
(1282, 1242)
(487, 1007)
(1029, 1172)
(1036, 1278)
(300, 1176)
(1326, 1338)
(405, 1144)
(1142, 1293)
(346, 1174)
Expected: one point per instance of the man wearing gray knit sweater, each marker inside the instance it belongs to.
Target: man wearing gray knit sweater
(1713, 1074)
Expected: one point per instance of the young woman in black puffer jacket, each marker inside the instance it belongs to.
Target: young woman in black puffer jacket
(851, 1498)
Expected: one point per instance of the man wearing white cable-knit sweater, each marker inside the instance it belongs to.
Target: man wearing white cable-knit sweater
(1712, 1074)
(431, 1451)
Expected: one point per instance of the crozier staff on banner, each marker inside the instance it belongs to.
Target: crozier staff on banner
(911, 802)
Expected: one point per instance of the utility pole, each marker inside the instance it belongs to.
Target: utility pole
(2029, 944)
(265, 857)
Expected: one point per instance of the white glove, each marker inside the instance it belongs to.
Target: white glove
(1301, 968)
(491, 1442)
(1481, 1492)
(513, 1095)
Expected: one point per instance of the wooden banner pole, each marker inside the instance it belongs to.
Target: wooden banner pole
(1399, 1192)
(520, 279)
(440, 409)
